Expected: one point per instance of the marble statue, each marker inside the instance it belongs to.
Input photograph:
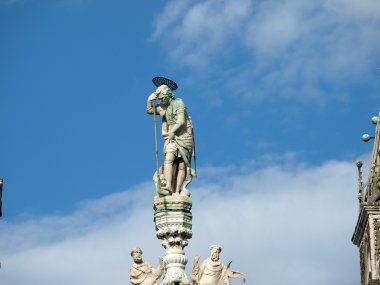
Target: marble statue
(213, 271)
(177, 130)
(141, 272)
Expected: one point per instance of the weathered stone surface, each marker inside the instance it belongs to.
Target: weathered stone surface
(177, 130)
(367, 231)
(173, 220)
(213, 270)
(141, 272)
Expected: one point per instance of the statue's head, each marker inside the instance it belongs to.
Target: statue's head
(165, 94)
(215, 251)
(136, 254)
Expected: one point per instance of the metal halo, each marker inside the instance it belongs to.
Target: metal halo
(159, 80)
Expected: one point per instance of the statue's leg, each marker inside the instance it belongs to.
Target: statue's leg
(181, 175)
(168, 170)
(174, 174)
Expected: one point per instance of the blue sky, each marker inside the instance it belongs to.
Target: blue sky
(284, 86)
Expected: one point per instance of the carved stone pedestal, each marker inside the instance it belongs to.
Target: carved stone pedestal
(173, 217)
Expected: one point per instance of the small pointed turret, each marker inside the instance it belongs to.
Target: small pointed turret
(359, 164)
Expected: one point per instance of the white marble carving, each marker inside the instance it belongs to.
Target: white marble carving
(141, 272)
(213, 271)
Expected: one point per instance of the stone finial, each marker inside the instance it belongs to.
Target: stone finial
(359, 165)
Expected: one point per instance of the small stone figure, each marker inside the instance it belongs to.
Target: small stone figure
(141, 272)
(177, 131)
(213, 271)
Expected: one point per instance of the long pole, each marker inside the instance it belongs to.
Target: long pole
(194, 153)
(155, 137)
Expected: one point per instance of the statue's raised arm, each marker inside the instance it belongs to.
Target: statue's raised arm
(141, 272)
(150, 107)
(177, 131)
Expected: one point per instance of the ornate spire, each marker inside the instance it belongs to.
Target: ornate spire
(367, 230)
(372, 194)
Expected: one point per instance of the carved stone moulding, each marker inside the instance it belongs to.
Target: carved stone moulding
(362, 223)
(172, 232)
(175, 276)
(173, 217)
(173, 220)
(376, 224)
(172, 203)
(174, 259)
(175, 262)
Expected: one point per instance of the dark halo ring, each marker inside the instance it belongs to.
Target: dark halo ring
(159, 80)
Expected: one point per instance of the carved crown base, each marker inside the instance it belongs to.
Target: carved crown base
(173, 220)
(172, 203)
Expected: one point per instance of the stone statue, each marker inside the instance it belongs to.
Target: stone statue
(141, 272)
(177, 130)
(213, 271)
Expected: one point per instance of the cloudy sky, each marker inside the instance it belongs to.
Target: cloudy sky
(280, 93)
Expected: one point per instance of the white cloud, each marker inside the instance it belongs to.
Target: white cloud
(7, 2)
(290, 223)
(172, 12)
(204, 27)
(288, 49)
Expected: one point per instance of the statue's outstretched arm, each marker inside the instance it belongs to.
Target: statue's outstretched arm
(149, 106)
(157, 272)
(195, 271)
(236, 274)
(161, 264)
